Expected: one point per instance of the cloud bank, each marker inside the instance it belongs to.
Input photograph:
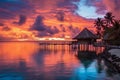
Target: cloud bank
(51, 18)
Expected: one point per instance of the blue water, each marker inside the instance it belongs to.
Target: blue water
(31, 61)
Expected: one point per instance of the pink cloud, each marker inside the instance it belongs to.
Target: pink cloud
(113, 6)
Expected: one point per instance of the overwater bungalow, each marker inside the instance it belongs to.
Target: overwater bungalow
(86, 37)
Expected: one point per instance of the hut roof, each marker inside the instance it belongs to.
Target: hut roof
(86, 34)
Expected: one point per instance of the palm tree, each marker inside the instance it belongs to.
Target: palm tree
(99, 25)
(109, 26)
(114, 31)
(109, 19)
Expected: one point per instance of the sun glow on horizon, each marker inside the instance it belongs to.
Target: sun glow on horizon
(45, 39)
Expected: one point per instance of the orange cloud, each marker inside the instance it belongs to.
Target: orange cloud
(55, 13)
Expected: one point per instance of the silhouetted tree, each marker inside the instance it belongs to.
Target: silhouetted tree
(109, 18)
(108, 26)
(98, 24)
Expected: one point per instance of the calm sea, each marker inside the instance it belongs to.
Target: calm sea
(31, 61)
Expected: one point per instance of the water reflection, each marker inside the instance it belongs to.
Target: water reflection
(31, 61)
(89, 70)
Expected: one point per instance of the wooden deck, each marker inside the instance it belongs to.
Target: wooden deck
(73, 45)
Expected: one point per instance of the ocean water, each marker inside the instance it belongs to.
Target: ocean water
(32, 61)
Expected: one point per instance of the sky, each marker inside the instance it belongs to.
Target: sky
(40, 19)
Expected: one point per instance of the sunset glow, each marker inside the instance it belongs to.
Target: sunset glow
(52, 19)
(59, 39)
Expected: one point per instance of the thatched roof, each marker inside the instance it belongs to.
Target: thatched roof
(86, 34)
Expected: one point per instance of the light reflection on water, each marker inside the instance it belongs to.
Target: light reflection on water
(30, 61)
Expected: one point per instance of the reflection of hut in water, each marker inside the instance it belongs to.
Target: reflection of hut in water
(86, 57)
(85, 37)
(86, 54)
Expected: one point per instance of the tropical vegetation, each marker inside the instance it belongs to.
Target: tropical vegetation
(108, 28)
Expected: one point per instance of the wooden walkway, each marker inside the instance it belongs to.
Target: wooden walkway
(73, 45)
(55, 42)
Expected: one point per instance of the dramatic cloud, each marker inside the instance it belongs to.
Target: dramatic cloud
(52, 30)
(113, 6)
(73, 30)
(3, 38)
(10, 8)
(22, 20)
(90, 8)
(60, 16)
(62, 28)
(6, 28)
(49, 32)
(52, 4)
(38, 24)
(101, 7)
(1, 24)
(98, 4)
(42, 29)
(57, 18)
